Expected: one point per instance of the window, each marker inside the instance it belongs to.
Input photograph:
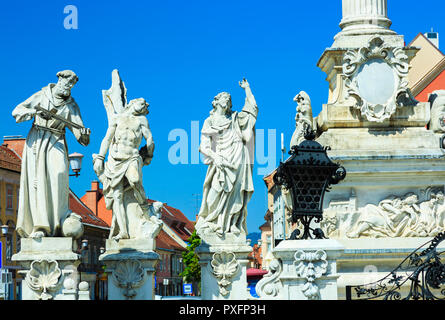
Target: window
(8, 247)
(9, 197)
(18, 243)
(432, 35)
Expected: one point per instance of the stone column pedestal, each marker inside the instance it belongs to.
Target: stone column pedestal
(131, 266)
(49, 267)
(302, 270)
(223, 271)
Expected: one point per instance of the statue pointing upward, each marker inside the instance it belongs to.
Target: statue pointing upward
(228, 186)
(44, 184)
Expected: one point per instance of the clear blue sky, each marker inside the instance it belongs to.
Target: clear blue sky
(179, 55)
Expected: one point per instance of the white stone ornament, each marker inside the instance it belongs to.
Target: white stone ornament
(72, 227)
(376, 76)
(129, 275)
(43, 278)
(269, 287)
(224, 266)
(437, 100)
(406, 216)
(311, 265)
(303, 118)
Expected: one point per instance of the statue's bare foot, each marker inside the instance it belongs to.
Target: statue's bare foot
(235, 230)
(121, 235)
(37, 234)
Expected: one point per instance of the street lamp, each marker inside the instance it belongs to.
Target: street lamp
(5, 229)
(308, 174)
(75, 160)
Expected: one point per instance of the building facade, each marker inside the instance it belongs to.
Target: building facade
(10, 166)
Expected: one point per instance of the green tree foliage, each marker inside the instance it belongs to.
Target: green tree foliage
(192, 269)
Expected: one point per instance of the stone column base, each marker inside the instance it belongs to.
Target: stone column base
(49, 267)
(131, 266)
(302, 270)
(223, 271)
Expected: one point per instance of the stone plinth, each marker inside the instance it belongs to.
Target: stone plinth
(49, 267)
(131, 266)
(302, 270)
(223, 270)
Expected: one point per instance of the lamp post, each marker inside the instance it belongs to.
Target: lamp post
(75, 160)
(308, 174)
(4, 232)
(5, 229)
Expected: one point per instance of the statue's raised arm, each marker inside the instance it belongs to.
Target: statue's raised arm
(227, 141)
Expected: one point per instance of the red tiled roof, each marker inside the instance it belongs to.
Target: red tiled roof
(255, 272)
(268, 180)
(88, 217)
(177, 221)
(9, 160)
(15, 144)
(164, 241)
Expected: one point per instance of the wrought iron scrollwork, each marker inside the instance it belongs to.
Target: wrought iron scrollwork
(422, 271)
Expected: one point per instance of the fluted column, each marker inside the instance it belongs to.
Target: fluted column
(365, 17)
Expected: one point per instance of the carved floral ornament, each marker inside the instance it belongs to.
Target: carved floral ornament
(44, 278)
(224, 266)
(311, 265)
(377, 77)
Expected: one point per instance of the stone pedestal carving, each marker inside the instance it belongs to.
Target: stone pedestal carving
(390, 144)
(131, 266)
(49, 267)
(223, 271)
(302, 270)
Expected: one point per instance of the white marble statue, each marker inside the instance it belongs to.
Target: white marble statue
(44, 181)
(437, 99)
(303, 118)
(226, 142)
(121, 174)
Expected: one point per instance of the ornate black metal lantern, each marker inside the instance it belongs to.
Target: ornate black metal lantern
(308, 175)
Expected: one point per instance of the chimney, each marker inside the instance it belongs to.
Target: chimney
(95, 186)
(91, 197)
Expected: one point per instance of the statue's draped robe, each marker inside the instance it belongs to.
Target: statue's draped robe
(227, 191)
(44, 185)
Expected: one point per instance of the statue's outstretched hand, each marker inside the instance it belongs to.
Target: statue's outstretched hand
(85, 131)
(98, 164)
(244, 84)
